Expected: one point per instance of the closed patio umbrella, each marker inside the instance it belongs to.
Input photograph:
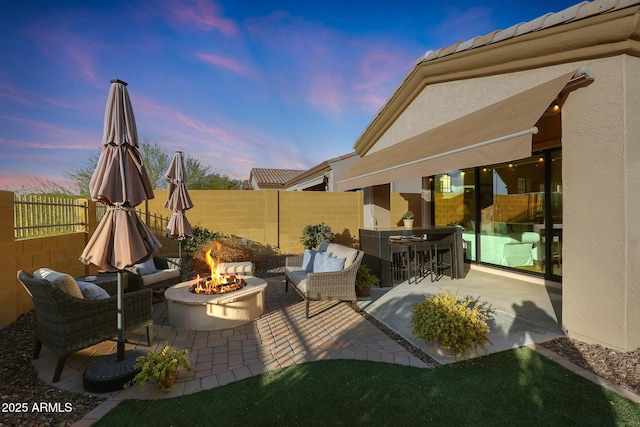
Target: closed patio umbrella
(121, 240)
(178, 200)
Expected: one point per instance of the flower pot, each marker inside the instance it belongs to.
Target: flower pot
(169, 380)
(408, 223)
(364, 291)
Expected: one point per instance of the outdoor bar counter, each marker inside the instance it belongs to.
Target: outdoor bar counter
(375, 244)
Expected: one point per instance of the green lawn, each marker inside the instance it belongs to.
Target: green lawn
(513, 388)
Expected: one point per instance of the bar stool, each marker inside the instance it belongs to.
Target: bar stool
(441, 248)
(400, 263)
(424, 260)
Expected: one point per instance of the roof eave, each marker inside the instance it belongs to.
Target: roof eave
(313, 172)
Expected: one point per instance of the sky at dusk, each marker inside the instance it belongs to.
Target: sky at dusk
(236, 84)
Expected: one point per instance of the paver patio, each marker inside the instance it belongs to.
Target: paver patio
(281, 337)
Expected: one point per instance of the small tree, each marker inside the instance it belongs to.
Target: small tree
(313, 235)
(156, 160)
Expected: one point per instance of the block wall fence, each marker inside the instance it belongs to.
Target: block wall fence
(269, 217)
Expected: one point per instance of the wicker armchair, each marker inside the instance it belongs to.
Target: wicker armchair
(67, 324)
(329, 286)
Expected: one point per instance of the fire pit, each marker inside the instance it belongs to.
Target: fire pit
(227, 298)
(207, 312)
(219, 282)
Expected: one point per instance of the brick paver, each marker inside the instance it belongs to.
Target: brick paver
(281, 337)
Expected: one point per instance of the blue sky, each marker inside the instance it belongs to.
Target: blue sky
(236, 84)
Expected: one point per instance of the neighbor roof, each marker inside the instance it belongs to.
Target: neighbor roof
(273, 178)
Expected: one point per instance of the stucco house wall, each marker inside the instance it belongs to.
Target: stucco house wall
(601, 173)
(600, 143)
(601, 177)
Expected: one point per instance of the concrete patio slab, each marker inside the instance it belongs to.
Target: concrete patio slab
(523, 313)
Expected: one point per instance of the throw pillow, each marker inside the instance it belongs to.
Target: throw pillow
(325, 263)
(147, 267)
(308, 258)
(318, 262)
(333, 264)
(62, 281)
(92, 291)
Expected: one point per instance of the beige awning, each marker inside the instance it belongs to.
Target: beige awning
(498, 133)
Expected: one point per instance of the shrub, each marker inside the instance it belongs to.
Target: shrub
(200, 235)
(365, 278)
(313, 235)
(224, 249)
(456, 323)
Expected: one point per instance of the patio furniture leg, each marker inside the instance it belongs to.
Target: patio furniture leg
(59, 367)
(150, 335)
(37, 346)
(307, 309)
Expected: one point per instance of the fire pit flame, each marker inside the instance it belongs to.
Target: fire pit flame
(216, 283)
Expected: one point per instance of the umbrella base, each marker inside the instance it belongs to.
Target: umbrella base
(107, 374)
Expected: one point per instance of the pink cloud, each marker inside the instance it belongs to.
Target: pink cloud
(377, 68)
(227, 63)
(76, 53)
(330, 70)
(232, 149)
(52, 137)
(11, 92)
(326, 91)
(203, 14)
(27, 181)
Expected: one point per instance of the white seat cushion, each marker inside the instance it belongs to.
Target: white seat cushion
(339, 251)
(159, 276)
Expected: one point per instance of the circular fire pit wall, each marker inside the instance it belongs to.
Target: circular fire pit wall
(202, 312)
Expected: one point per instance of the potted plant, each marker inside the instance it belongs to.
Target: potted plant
(161, 367)
(313, 235)
(407, 218)
(364, 281)
(458, 325)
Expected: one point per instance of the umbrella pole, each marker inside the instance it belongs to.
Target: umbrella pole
(120, 357)
(180, 249)
(112, 372)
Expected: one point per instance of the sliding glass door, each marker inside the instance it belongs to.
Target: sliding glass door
(507, 211)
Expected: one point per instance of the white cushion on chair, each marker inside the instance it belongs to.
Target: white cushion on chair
(62, 281)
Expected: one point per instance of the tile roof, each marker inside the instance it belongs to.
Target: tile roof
(274, 176)
(576, 12)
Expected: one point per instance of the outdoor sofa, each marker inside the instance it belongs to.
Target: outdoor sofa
(68, 322)
(328, 274)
